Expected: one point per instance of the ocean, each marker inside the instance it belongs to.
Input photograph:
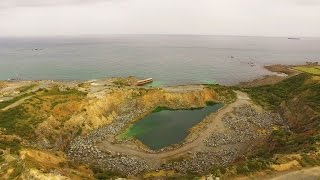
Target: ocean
(168, 59)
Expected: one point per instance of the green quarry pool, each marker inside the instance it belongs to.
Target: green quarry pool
(164, 127)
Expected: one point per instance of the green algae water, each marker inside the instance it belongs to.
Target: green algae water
(167, 127)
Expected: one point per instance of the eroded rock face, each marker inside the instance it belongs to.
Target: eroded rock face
(298, 115)
(136, 104)
(115, 107)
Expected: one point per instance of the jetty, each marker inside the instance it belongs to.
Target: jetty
(144, 81)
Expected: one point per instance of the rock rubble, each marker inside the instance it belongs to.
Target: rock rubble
(202, 161)
(244, 124)
(83, 148)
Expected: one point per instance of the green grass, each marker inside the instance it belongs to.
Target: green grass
(271, 96)
(55, 91)
(18, 168)
(211, 103)
(308, 160)
(285, 142)
(26, 88)
(309, 69)
(21, 121)
(15, 99)
(104, 174)
(226, 94)
(121, 82)
(13, 145)
(18, 121)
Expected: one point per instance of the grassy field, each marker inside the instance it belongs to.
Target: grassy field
(24, 118)
(226, 94)
(271, 96)
(308, 69)
(23, 91)
(13, 100)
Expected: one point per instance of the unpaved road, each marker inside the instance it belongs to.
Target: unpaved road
(15, 104)
(304, 174)
(214, 124)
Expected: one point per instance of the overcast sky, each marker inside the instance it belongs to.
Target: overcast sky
(217, 17)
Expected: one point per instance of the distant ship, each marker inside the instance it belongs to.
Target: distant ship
(293, 38)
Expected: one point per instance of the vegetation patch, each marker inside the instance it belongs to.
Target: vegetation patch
(226, 94)
(13, 145)
(24, 118)
(271, 96)
(303, 89)
(103, 174)
(308, 69)
(15, 99)
(26, 88)
(122, 82)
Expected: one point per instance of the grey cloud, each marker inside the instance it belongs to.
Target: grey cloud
(305, 2)
(39, 3)
(27, 3)
(227, 17)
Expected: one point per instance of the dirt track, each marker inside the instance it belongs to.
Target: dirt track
(305, 174)
(15, 104)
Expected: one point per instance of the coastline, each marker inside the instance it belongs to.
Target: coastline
(284, 71)
(107, 107)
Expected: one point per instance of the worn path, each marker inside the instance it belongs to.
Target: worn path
(15, 104)
(305, 174)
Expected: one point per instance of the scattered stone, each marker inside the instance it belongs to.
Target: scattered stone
(244, 124)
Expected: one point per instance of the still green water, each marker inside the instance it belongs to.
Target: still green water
(167, 127)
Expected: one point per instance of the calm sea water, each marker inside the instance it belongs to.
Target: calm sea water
(164, 128)
(169, 59)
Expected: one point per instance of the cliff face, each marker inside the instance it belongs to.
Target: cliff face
(299, 116)
(297, 99)
(103, 107)
(302, 109)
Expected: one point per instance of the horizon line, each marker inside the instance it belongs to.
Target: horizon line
(149, 34)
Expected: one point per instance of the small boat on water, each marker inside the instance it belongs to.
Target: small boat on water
(293, 38)
(144, 81)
